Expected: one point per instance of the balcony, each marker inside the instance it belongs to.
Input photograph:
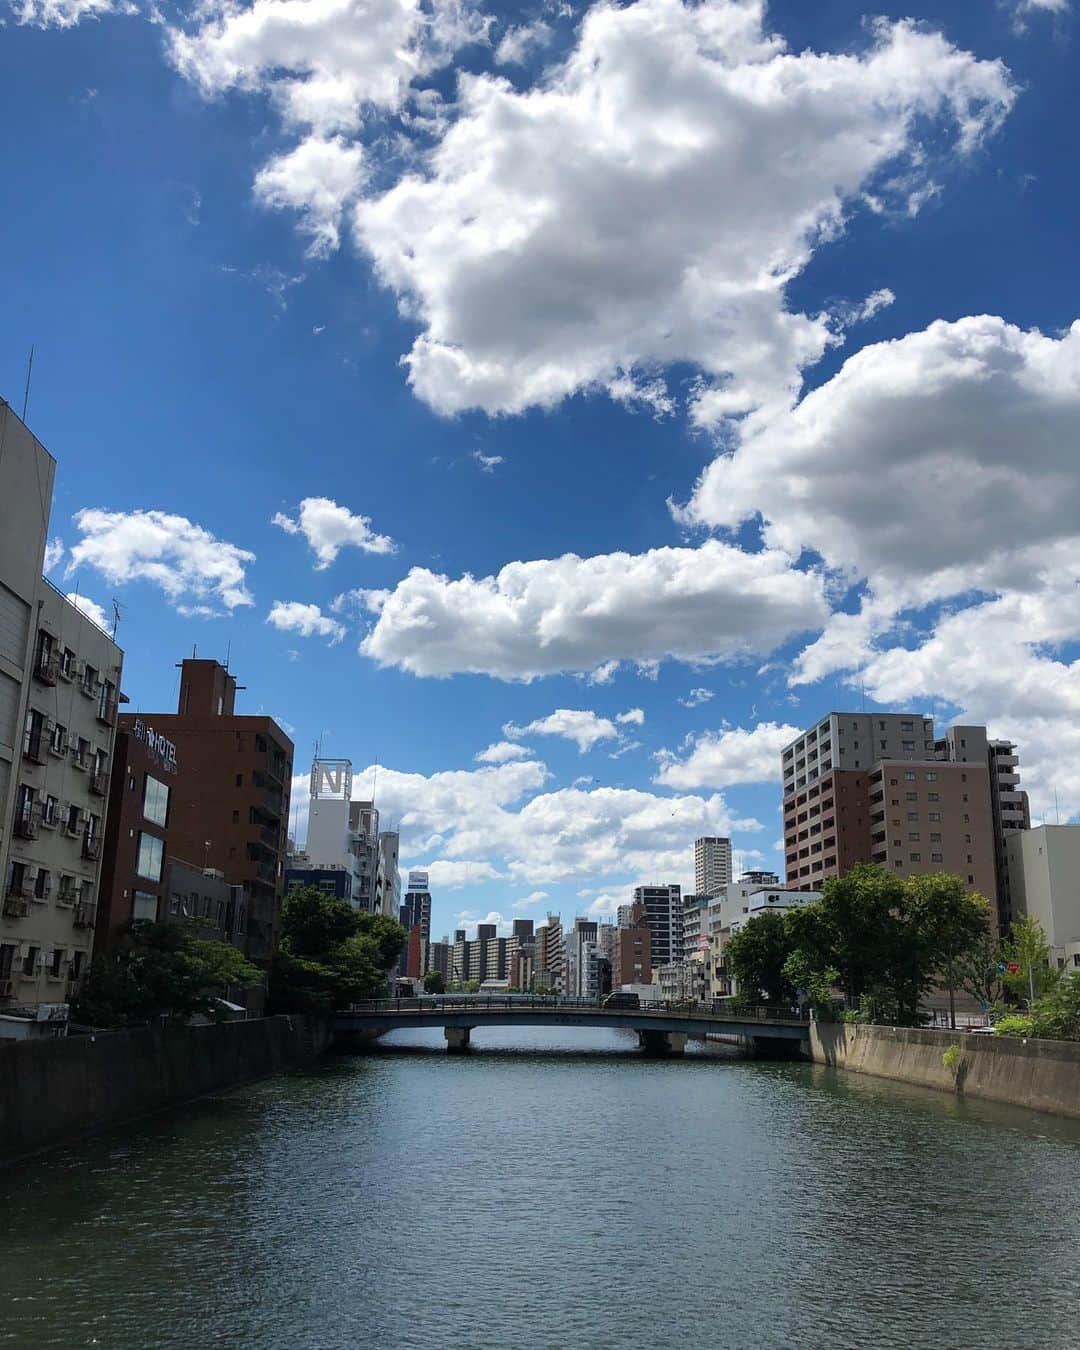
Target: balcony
(67, 897)
(106, 712)
(99, 784)
(84, 916)
(47, 668)
(91, 847)
(16, 906)
(80, 759)
(26, 826)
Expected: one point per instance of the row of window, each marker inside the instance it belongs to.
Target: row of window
(43, 737)
(36, 883)
(30, 961)
(54, 661)
(34, 808)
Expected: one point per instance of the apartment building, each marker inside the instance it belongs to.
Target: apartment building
(664, 914)
(753, 894)
(631, 961)
(880, 787)
(550, 970)
(1044, 867)
(229, 801)
(712, 864)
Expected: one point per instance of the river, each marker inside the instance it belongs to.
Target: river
(559, 1191)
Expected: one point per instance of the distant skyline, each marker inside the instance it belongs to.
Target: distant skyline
(561, 406)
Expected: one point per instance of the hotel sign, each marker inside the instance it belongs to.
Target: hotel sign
(331, 779)
(162, 750)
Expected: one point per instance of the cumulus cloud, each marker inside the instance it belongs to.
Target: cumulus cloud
(933, 464)
(54, 552)
(579, 725)
(91, 609)
(714, 602)
(328, 528)
(291, 616)
(501, 752)
(533, 898)
(648, 201)
(723, 758)
(696, 698)
(632, 717)
(185, 560)
(452, 875)
(318, 178)
(518, 43)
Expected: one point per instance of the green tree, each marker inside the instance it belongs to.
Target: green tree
(1056, 1014)
(949, 923)
(979, 970)
(156, 970)
(758, 955)
(1027, 948)
(815, 981)
(329, 954)
(434, 983)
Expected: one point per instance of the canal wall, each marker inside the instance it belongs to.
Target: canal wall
(1042, 1075)
(54, 1091)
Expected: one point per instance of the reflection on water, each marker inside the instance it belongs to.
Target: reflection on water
(553, 1189)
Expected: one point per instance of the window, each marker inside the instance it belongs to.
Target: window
(81, 755)
(144, 906)
(933, 796)
(915, 857)
(912, 796)
(892, 782)
(933, 815)
(913, 815)
(970, 858)
(58, 739)
(30, 960)
(74, 818)
(236, 817)
(50, 811)
(909, 775)
(155, 801)
(884, 745)
(239, 780)
(967, 820)
(35, 730)
(93, 827)
(148, 863)
(936, 857)
(174, 904)
(907, 726)
(964, 797)
(56, 965)
(42, 884)
(935, 838)
(913, 837)
(963, 778)
(971, 880)
(907, 745)
(89, 680)
(931, 777)
(896, 843)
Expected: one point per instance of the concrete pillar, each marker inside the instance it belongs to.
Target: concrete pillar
(457, 1039)
(662, 1044)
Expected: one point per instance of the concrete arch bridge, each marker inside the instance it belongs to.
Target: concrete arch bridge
(662, 1028)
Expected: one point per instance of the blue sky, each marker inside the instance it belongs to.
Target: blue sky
(708, 367)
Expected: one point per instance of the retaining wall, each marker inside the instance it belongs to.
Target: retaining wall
(1042, 1075)
(55, 1091)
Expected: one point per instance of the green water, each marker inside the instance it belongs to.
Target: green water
(538, 1195)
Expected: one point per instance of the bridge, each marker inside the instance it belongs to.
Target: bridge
(662, 1028)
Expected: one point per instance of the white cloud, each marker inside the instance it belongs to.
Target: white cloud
(325, 63)
(714, 602)
(291, 616)
(318, 178)
(936, 463)
(696, 698)
(528, 901)
(67, 13)
(632, 717)
(579, 725)
(329, 528)
(518, 43)
(182, 558)
(723, 758)
(54, 551)
(501, 752)
(488, 463)
(451, 876)
(648, 201)
(91, 609)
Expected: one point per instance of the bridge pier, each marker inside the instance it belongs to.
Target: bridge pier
(662, 1044)
(457, 1039)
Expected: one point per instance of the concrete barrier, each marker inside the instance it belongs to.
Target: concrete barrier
(1042, 1075)
(55, 1091)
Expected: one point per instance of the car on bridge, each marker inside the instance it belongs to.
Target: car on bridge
(618, 1000)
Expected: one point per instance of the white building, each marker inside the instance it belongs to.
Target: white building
(1044, 881)
(59, 689)
(712, 864)
(753, 894)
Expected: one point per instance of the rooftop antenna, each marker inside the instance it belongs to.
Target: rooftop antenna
(26, 391)
(115, 617)
(194, 650)
(1057, 809)
(228, 653)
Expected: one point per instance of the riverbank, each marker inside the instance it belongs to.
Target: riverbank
(59, 1090)
(1040, 1075)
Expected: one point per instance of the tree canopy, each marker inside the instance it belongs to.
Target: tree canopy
(329, 954)
(158, 970)
(758, 954)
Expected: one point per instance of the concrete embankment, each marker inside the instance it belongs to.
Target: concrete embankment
(56, 1091)
(1042, 1075)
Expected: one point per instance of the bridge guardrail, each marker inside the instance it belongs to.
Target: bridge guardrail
(716, 1010)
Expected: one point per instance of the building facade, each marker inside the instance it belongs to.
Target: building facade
(53, 838)
(712, 864)
(664, 914)
(1044, 870)
(631, 961)
(881, 788)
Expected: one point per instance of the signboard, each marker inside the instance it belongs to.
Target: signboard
(331, 780)
(52, 1012)
(162, 750)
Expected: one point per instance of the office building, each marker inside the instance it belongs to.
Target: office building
(696, 947)
(581, 959)
(712, 864)
(229, 799)
(387, 876)
(550, 966)
(332, 878)
(415, 910)
(753, 894)
(438, 958)
(631, 961)
(664, 913)
(881, 788)
(521, 955)
(1044, 873)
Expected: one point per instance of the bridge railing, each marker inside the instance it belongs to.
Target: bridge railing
(706, 1011)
